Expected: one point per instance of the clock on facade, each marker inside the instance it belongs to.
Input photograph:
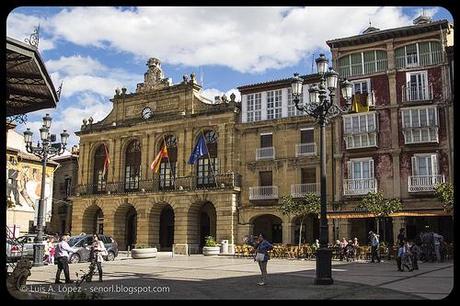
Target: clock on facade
(147, 113)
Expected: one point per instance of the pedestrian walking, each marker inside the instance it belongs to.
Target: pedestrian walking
(406, 257)
(262, 247)
(98, 251)
(375, 244)
(399, 255)
(62, 258)
(415, 250)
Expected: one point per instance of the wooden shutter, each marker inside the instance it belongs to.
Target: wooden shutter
(266, 178)
(308, 175)
(307, 136)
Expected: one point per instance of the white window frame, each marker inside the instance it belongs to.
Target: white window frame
(257, 106)
(354, 140)
(432, 166)
(250, 107)
(362, 160)
(291, 109)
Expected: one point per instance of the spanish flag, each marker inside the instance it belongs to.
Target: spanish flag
(157, 161)
(360, 104)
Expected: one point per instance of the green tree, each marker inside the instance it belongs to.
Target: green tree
(300, 207)
(376, 204)
(445, 193)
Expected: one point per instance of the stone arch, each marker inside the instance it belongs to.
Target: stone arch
(201, 222)
(270, 225)
(125, 226)
(161, 220)
(92, 221)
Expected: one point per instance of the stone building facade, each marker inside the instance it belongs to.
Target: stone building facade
(402, 146)
(177, 207)
(66, 177)
(279, 156)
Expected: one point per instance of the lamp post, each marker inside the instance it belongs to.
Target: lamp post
(322, 110)
(46, 150)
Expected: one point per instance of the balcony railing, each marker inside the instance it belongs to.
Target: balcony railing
(265, 153)
(359, 186)
(299, 190)
(185, 183)
(305, 149)
(418, 183)
(263, 192)
(417, 93)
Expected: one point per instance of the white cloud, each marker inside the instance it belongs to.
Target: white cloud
(85, 74)
(21, 26)
(249, 39)
(211, 93)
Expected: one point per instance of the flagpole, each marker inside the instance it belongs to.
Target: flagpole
(209, 160)
(169, 162)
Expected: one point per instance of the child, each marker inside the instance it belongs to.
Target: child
(51, 251)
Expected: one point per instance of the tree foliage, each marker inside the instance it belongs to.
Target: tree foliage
(376, 204)
(310, 203)
(445, 193)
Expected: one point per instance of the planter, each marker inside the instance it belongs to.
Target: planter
(209, 251)
(144, 253)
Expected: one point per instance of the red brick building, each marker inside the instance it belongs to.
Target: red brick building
(402, 146)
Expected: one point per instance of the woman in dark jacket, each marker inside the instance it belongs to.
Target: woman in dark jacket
(262, 247)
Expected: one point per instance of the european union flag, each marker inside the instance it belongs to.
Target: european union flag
(200, 150)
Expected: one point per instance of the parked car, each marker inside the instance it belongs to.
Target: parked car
(82, 247)
(28, 242)
(13, 250)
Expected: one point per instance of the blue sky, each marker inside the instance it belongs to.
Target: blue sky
(94, 50)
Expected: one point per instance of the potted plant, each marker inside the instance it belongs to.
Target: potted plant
(143, 251)
(210, 247)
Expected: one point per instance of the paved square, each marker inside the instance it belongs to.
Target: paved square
(219, 277)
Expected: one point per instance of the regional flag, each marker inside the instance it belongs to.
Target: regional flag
(359, 103)
(199, 151)
(106, 161)
(157, 161)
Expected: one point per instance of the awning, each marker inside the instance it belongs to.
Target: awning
(417, 213)
(29, 86)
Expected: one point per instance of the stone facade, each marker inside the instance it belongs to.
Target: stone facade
(134, 216)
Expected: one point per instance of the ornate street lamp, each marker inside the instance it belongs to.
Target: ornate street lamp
(45, 151)
(323, 110)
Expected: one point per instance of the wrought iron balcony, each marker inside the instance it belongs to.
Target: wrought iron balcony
(263, 193)
(305, 149)
(420, 183)
(227, 181)
(265, 153)
(359, 186)
(417, 93)
(299, 190)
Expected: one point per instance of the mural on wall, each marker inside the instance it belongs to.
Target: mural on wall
(24, 187)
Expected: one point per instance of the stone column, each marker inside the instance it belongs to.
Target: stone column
(244, 230)
(288, 232)
(145, 157)
(180, 230)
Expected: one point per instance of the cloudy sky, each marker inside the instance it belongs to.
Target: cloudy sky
(94, 50)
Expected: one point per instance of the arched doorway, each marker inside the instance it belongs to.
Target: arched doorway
(93, 220)
(270, 226)
(202, 222)
(125, 227)
(166, 228)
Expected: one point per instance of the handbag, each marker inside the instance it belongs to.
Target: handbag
(260, 257)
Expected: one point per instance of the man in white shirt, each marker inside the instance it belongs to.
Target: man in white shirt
(62, 258)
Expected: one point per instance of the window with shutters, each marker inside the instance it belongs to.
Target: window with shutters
(425, 173)
(308, 175)
(266, 150)
(265, 178)
(363, 63)
(360, 130)
(274, 104)
(132, 165)
(360, 177)
(417, 87)
(99, 180)
(420, 124)
(209, 163)
(419, 54)
(307, 145)
(168, 173)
